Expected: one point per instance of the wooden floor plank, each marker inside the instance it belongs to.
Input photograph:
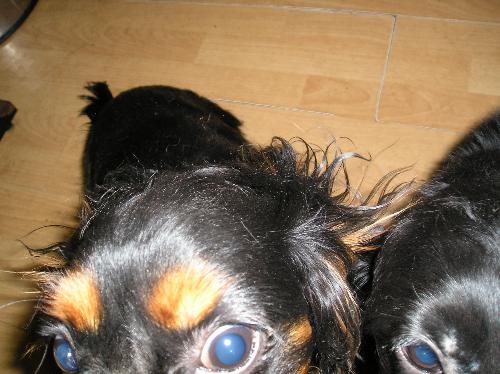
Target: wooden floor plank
(442, 74)
(472, 10)
(292, 62)
(276, 56)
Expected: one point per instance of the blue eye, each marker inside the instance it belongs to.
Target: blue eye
(422, 356)
(64, 354)
(231, 348)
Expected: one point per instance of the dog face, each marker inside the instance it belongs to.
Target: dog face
(236, 264)
(157, 283)
(160, 277)
(436, 293)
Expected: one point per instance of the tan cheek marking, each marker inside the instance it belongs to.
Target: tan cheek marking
(74, 298)
(304, 369)
(299, 332)
(183, 297)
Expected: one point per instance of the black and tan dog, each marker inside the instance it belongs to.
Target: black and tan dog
(435, 306)
(200, 253)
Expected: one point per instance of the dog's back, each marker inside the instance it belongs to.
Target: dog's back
(435, 305)
(155, 127)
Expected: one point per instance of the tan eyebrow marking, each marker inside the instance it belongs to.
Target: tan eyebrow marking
(184, 296)
(74, 298)
(299, 332)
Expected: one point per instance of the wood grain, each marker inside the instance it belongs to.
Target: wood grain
(472, 10)
(278, 68)
(390, 146)
(442, 74)
(273, 56)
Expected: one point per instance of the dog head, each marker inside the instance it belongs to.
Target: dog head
(160, 277)
(436, 291)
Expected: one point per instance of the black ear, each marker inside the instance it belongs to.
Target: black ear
(318, 257)
(333, 252)
(325, 233)
(334, 313)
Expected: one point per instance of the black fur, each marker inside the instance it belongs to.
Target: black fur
(155, 128)
(170, 178)
(437, 279)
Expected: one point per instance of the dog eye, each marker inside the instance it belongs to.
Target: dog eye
(64, 354)
(231, 348)
(422, 357)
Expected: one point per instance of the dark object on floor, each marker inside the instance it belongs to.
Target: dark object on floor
(12, 14)
(435, 303)
(199, 253)
(7, 113)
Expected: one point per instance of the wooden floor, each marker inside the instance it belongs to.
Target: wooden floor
(400, 80)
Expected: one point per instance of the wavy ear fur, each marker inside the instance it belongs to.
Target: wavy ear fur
(334, 312)
(324, 235)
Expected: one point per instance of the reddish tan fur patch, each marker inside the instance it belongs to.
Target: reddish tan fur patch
(74, 298)
(183, 297)
(304, 369)
(357, 240)
(299, 332)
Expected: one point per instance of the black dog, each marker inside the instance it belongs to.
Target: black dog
(435, 305)
(199, 253)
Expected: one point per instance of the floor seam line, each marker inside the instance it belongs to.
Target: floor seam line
(388, 54)
(320, 9)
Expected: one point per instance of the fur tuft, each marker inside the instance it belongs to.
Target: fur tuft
(100, 96)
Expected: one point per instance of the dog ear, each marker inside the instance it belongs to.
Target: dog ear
(326, 234)
(334, 313)
(335, 263)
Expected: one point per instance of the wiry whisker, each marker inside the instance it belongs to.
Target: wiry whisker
(33, 315)
(16, 302)
(44, 227)
(40, 251)
(42, 359)
(16, 272)
(4, 306)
